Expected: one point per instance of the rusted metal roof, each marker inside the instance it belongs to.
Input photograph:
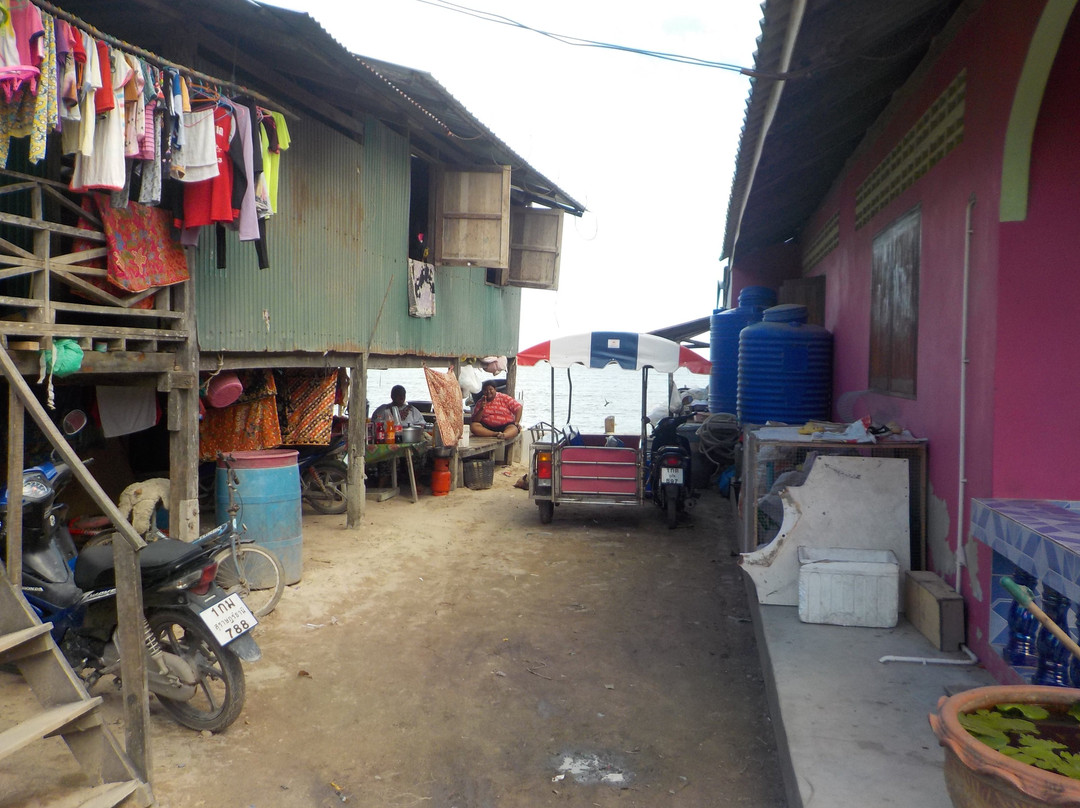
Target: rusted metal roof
(847, 59)
(289, 57)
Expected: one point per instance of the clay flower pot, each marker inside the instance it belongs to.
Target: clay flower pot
(977, 776)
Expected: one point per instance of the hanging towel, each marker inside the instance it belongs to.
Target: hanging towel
(124, 410)
(421, 289)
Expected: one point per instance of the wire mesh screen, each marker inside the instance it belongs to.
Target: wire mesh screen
(768, 465)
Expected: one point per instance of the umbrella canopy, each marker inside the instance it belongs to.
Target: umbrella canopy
(628, 350)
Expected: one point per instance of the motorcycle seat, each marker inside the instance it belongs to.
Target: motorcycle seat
(94, 566)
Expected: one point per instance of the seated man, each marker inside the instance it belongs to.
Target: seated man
(402, 413)
(495, 414)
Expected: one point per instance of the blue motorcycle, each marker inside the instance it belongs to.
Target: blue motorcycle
(195, 634)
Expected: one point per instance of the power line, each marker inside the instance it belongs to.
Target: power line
(566, 39)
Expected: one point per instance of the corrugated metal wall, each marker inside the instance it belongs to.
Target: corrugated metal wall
(338, 243)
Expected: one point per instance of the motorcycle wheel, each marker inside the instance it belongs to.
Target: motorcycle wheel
(547, 510)
(324, 486)
(255, 574)
(671, 504)
(220, 689)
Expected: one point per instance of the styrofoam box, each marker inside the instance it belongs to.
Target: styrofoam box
(848, 587)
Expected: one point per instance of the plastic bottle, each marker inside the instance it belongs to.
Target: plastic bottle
(1053, 665)
(1023, 627)
(391, 431)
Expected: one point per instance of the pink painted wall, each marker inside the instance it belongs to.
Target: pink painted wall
(1023, 352)
(1037, 387)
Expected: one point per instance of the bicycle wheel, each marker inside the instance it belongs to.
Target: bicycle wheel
(255, 574)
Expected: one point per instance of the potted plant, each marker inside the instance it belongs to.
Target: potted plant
(979, 776)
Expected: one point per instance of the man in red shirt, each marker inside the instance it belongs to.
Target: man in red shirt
(495, 414)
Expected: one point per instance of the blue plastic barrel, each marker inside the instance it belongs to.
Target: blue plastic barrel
(724, 328)
(269, 500)
(785, 369)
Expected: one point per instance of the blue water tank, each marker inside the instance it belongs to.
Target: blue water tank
(724, 328)
(785, 369)
(269, 497)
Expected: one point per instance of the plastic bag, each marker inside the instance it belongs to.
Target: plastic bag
(65, 358)
(470, 379)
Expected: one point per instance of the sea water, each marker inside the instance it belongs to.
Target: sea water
(584, 400)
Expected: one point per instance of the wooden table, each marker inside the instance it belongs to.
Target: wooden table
(383, 452)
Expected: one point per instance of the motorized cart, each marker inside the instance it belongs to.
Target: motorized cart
(609, 469)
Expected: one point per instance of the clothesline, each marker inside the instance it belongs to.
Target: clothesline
(146, 55)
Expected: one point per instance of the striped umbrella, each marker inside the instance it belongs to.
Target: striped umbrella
(628, 350)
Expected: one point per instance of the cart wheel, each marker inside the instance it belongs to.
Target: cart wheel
(547, 510)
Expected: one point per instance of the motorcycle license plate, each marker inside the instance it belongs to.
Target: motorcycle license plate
(671, 475)
(228, 619)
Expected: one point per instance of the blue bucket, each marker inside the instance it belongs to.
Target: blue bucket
(269, 500)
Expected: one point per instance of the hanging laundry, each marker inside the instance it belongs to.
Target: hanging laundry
(142, 251)
(124, 410)
(247, 222)
(134, 108)
(104, 168)
(210, 200)
(79, 138)
(194, 156)
(32, 110)
(421, 289)
(275, 140)
(20, 46)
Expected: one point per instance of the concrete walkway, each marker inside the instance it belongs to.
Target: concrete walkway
(851, 730)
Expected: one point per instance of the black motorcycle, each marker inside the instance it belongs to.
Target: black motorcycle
(195, 634)
(669, 468)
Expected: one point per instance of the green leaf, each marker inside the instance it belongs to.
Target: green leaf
(984, 722)
(1074, 711)
(1043, 743)
(1036, 712)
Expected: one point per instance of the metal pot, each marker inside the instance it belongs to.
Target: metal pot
(412, 434)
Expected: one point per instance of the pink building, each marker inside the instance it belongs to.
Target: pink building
(912, 172)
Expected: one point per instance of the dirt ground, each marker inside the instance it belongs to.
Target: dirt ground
(455, 653)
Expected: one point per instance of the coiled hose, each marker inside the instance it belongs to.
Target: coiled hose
(718, 438)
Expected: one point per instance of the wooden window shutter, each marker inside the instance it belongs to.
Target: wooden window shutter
(535, 247)
(894, 308)
(472, 215)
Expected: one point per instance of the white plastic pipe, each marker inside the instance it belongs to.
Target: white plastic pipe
(961, 527)
(971, 660)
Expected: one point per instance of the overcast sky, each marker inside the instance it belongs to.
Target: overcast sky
(647, 145)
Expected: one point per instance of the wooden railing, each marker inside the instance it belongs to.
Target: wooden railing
(130, 620)
(62, 298)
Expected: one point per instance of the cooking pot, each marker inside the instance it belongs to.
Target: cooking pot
(411, 434)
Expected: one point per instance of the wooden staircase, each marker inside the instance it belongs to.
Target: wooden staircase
(66, 710)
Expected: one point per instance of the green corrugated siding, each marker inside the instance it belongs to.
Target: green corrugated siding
(338, 242)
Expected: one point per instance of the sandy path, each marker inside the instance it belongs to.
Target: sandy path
(455, 652)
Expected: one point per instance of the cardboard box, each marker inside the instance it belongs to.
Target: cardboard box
(849, 587)
(935, 609)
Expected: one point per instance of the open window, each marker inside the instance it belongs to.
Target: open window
(473, 224)
(472, 216)
(535, 247)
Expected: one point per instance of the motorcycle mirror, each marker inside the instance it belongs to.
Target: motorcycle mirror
(74, 423)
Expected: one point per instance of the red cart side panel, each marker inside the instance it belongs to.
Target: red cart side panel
(598, 454)
(621, 471)
(598, 470)
(596, 486)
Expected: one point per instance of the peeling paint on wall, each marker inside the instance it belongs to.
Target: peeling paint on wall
(971, 561)
(942, 559)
